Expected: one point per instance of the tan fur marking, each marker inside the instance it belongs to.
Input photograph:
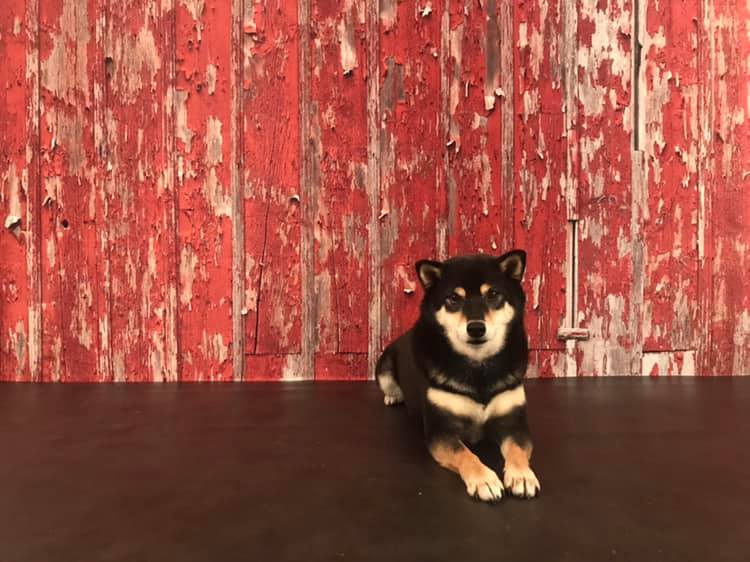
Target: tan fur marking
(456, 404)
(517, 475)
(484, 288)
(514, 454)
(460, 291)
(428, 273)
(505, 402)
(461, 461)
(513, 266)
(480, 480)
(463, 406)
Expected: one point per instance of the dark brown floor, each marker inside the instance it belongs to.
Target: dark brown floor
(633, 469)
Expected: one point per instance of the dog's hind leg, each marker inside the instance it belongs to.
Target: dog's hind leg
(385, 373)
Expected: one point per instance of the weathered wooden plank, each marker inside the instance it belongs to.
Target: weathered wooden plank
(69, 58)
(669, 363)
(203, 120)
(341, 366)
(669, 139)
(372, 180)
(475, 195)
(339, 158)
(238, 203)
(725, 187)
(540, 198)
(604, 186)
(140, 190)
(271, 140)
(273, 367)
(18, 190)
(411, 155)
(309, 175)
(705, 177)
(546, 363)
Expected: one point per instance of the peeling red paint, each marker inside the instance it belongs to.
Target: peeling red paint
(540, 194)
(604, 194)
(140, 193)
(70, 176)
(339, 159)
(475, 196)
(271, 160)
(725, 187)
(411, 154)
(203, 176)
(239, 190)
(670, 145)
(15, 194)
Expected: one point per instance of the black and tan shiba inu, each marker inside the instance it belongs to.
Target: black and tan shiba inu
(461, 367)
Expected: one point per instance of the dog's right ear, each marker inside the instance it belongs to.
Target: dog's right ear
(429, 272)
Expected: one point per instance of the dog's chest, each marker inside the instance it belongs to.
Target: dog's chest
(475, 414)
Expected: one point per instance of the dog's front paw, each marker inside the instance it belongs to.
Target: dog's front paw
(522, 482)
(484, 484)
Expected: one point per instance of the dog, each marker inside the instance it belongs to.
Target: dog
(461, 367)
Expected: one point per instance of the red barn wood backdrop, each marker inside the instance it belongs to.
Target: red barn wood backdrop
(238, 189)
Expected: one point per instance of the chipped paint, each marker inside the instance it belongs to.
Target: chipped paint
(348, 48)
(313, 169)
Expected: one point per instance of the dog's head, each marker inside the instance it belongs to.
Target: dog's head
(475, 300)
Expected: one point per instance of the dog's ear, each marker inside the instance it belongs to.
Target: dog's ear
(513, 264)
(429, 272)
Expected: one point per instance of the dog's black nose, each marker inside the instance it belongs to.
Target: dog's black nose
(476, 329)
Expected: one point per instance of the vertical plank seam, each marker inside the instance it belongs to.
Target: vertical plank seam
(444, 216)
(306, 251)
(33, 209)
(705, 255)
(570, 97)
(373, 181)
(508, 136)
(172, 344)
(104, 356)
(637, 203)
(238, 216)
(107, 185)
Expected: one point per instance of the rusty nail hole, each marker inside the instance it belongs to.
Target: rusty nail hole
(65, 223)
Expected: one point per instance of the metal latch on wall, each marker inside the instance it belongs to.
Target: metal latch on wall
(571, 330)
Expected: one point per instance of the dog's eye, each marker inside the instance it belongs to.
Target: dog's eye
(453, 300)
(492, 295)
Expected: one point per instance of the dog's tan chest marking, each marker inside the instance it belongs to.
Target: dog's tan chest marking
(464, 407)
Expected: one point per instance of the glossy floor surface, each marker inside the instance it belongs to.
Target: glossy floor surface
(631, 469)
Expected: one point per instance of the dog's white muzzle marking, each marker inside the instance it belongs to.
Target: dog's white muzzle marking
(463, 406)
(496, 324)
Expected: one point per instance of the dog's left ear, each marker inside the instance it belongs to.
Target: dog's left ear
(513, 264)
(429, 272)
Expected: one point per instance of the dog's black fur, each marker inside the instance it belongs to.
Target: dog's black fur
(433, 355)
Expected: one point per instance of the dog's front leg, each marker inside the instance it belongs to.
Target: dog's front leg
(511, 432)
(481, 481)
